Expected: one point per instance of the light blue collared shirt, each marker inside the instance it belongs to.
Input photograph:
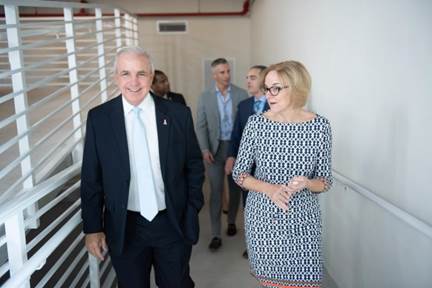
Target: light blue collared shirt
(225, 114)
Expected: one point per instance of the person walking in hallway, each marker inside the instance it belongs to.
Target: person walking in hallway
(291, 150)
(250, 106)
(215, 116)
(141, 180)
(161, 87)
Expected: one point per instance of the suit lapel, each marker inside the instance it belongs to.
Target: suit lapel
(164, 124)
(251, 105)
(234, 102)
(119, 131)
(214, 105)
(266, 106)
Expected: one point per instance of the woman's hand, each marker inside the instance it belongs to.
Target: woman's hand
(280, 195)
(298, 183)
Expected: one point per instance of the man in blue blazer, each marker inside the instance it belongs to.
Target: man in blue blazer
(141, 180)
(252, 105)
(216, 110)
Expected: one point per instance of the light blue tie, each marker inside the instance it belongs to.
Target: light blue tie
(145, 183)
(258, 106)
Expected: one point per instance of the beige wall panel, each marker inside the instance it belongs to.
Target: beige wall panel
(181, 56)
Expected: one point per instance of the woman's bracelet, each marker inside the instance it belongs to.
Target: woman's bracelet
(241, 179)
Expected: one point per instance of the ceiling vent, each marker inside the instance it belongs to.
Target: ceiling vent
(172, 27)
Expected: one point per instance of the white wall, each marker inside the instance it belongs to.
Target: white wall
(371, 65)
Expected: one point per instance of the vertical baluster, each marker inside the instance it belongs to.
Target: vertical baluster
(101, 54)
(16, 60)
(117, 23)
(16, 245)
(73, 80)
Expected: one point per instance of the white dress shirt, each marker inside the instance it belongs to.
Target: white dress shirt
(148, 116)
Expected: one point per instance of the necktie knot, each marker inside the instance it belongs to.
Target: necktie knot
(258, 106)
(137, 111)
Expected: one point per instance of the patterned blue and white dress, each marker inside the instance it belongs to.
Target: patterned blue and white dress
(285, 247)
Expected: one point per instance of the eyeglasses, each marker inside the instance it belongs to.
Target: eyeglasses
(274, 90)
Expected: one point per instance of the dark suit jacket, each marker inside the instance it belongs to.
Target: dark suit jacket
(105, 175)
(175, 97)
(244, 109)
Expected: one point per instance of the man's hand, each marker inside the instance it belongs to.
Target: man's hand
(229, 165)
(96, 245)
(208, 157)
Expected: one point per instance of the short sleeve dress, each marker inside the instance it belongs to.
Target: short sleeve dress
(285, 247)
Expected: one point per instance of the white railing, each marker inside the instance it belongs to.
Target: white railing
(56, 63)
(406, 217)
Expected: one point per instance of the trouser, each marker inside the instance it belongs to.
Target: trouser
(156, 244)
(216, 174)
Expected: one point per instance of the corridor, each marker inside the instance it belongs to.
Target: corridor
(371, 68)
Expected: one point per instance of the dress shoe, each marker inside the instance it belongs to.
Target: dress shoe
(245, 254)
(232, 230)
(215, 243)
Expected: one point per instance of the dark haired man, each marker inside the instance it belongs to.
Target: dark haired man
(161, 87)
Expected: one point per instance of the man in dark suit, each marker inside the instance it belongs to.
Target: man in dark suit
(252, 105)
(161, 87)
(141, 180)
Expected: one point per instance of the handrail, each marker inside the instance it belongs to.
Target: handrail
(51, 204)
(53, 224)
(36, 260)
(62, 258)
(22, 201)
(406, 217)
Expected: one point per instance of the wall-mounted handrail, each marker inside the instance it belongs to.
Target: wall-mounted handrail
(406, 217)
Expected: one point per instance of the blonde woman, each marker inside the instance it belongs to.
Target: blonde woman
(291, 148)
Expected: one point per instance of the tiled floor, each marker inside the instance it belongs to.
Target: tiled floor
(224, 268)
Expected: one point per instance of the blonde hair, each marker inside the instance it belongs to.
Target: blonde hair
(294, 74)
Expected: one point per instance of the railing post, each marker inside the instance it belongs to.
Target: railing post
(135, 32)
(73, 79)
(128, 28)
(101, 55)
(16, 61)
(94, 273)
(117, 23)
(16, 245)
